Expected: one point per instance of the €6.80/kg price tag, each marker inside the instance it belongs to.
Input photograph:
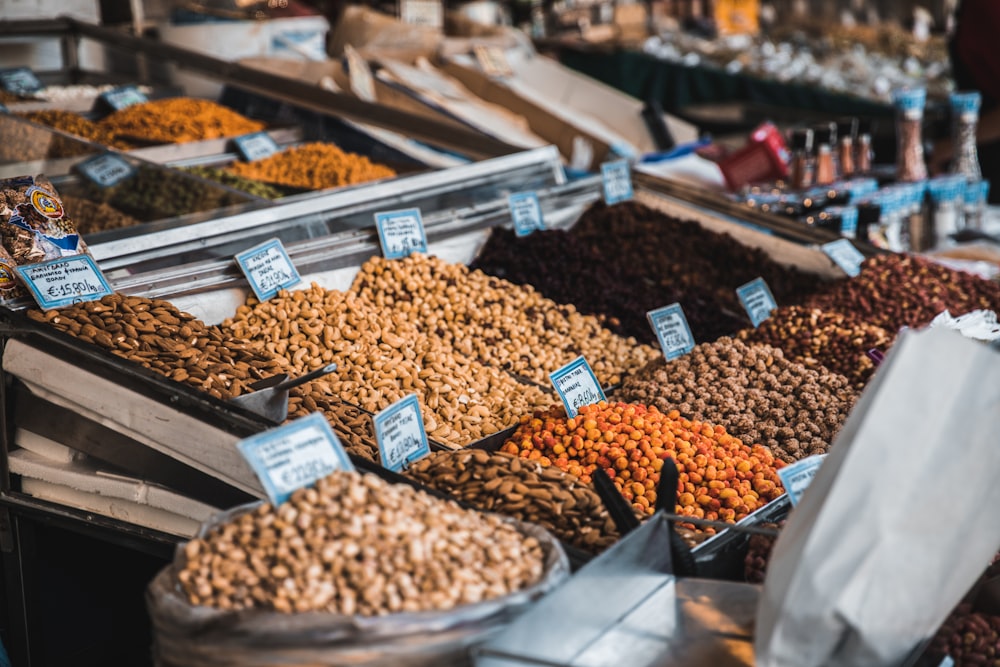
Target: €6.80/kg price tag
(845, 255)
(123, 98)
(616, 177)
(400, 432)
(268, 269)
(757, 300)
(65, 281)
(256, 146)
(577, 385)
(295, 455)
(401, 233)
(797, 477)
(526, 212)
(106, 170)
(672, 330)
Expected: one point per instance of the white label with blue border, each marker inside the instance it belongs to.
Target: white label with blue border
(4, 109)
(616, 178)
(268, 269)
(401, 233)
(757, 300)
(845, 255)
(577, 385)
(256, 146)
(399, 430)
(65, 281)
(526, 212)
(124, 97)
(293, 456)
(672, 330)
(106, 170)
(797, 477)
(20, 81)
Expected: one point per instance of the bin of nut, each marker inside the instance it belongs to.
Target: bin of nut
(353, 570)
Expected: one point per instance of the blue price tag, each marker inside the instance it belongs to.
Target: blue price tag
(106, 170)
(672, 330)
(399, 430)
(845, 255)
(256, 146)
(526, 212)
(401, 233)
(4, 109)
(20, 81)
(123, 97)
(268, 269)
(64, 281)
(577, 385)
(617, 181)
(757, 300)
(797, 477)
(293, 456)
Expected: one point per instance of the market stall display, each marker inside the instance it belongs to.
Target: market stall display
(229, 179)
(78, 125)
(312, 166)
(178, 120)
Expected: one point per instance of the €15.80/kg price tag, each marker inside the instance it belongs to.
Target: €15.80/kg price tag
(399, 430)
(845, 255)
(20, 81)
(106, 170)
(797, 477)
(577, 385)
(672, 330)
(294, 455)
(757, 300)
(256, 146)
(268, 269)
(526, 212)
(65, 281)
(401, 233)
(123, 98)
(616, 178)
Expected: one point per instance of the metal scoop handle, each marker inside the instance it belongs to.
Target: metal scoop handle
(302, 379)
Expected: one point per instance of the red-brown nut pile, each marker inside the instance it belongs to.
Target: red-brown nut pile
(758, 557)
(970, 638)
(720, 477)
(894, 291)
(357, 545)
(753, 391)
(525, 490)
(495, 322)
(814, 338)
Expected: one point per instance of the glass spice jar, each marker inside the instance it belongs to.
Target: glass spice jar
(965, 121)
(909, 103)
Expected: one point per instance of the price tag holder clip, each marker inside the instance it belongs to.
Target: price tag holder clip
(399, 430)
(577, 385)
(268, 269)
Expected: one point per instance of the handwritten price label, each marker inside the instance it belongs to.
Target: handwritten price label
(401, 233)
(123, 98)
(526, 212)
(617, 181)
(268, 269)
(65, 281)
(256, 146)
(757, 300)
(797, 477)
(295, 455)
(671, 328)
(106, 170)
(399, 430)
(577, 385)
(20, 81)
(845, 255)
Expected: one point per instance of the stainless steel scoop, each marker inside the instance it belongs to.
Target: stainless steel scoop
(269, 397)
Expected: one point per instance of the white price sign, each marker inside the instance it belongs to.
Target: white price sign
(757, 300)
(399, 430)
(65, 281)
(401, 233)
(106, 170)
(617, 181)
(124, 97)
(295, 455)
(797, 477)
(526, 212)
(577, 385)
(672, 330)
(20, 81)
(845, 255)
(268, 269)
(256, 146)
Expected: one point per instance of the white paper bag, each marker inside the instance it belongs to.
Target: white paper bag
(900, 520)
